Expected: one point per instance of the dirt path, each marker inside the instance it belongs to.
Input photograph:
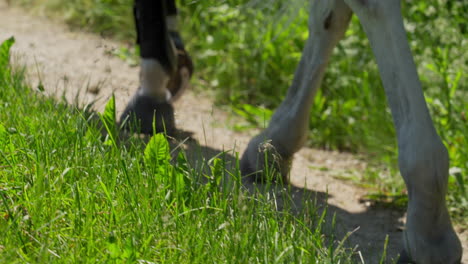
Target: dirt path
(71, 63)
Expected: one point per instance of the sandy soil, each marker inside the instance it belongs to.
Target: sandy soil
(75, 63)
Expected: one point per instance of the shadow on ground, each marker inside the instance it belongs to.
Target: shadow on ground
(375, 233)
(365, 231)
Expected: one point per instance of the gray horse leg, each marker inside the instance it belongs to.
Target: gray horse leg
(429, 236)
(287, 130)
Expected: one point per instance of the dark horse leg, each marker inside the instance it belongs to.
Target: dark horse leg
(161, 78)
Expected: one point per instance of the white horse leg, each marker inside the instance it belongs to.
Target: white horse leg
(423, 159)
(288, 127)
(153, 80)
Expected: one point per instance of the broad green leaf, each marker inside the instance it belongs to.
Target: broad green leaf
(157, 151)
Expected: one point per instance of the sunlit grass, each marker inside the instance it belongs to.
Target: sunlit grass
(247, 50)
(71, 195)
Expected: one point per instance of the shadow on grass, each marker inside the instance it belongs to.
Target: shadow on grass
(366, 230)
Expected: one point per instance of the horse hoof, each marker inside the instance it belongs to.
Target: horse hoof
(143, 114)
(251, 173)
(262, 162)
(406, 259)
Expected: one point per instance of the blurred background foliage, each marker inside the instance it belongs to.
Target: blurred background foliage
(246, 51)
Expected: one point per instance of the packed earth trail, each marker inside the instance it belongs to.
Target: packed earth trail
(81, 65)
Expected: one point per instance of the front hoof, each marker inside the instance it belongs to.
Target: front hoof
(142, 110)
(262, 162)
(250, 169)
(430, 247)
(406, 259)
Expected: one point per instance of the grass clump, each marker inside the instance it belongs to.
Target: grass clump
(68, 194)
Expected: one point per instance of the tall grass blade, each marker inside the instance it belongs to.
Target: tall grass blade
(5, 57)
(109, 120)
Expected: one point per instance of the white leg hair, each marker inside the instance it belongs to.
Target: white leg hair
(287, 130)
(423, 159)
(154, 80)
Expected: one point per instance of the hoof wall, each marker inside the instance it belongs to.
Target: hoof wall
(140, 113)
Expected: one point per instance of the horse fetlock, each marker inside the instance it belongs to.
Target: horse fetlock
(154, 80)
(429, 236)
(424, 165)
(263, 161)
(431, 242)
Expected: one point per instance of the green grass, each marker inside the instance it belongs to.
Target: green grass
(71, 195)
(247, 50)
